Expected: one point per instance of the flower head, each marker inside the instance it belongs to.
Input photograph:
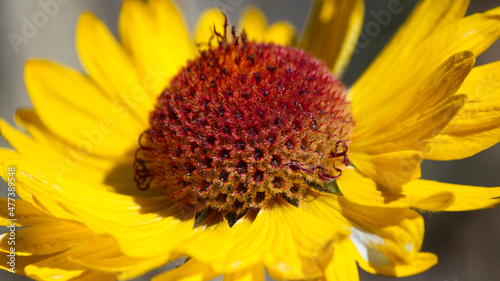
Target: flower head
(248, 154)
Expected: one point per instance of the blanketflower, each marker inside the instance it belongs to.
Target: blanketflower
(252, 156)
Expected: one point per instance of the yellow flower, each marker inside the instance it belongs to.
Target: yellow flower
(347, 198)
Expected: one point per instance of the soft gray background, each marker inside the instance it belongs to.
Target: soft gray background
(467, 243)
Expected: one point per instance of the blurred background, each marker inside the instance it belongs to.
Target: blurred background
(467, 243)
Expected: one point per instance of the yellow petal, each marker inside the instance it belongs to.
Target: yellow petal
(143, 226)
(155, 36)
(388, 241)
(422, 262)
(64, 161)
(426, 17)
(211, 239)
(192, 270)
(110, 67)
(281, 33)
(21, 262)
(476, 126)
(254, 23)
(332, 31)
(363, 190)
(204, 32)
(103, 254)
(254, 273)
(382, 238)
(393, 157)
(343, 265)
(95, 126)
(465, 197)
(54, 268)
(409, 104)
(290, 243)
(25, 214)
(408, 62)
(391, 169)
(47, 238)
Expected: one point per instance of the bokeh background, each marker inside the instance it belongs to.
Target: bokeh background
(467, 243)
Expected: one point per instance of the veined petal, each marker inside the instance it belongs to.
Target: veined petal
(25, 213)
(476, 126)
(211, 239)
(47, 238)
(343, 266)
(332, 31)
(54, 268)
(155, 36)
(465, 197)
(103, 254)
(391, 169)
(363, 190)
(143, 226)
(426, 17)
(439, 85)
(66, 161)
(290, 243)
(383, 238)
(21, 262)
(474, 33)
(392, 158)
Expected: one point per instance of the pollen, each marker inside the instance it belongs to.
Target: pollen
(243, 123)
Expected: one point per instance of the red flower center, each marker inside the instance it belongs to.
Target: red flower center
(243, 123)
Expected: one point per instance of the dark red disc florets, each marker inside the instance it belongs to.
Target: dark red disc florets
(243, 123)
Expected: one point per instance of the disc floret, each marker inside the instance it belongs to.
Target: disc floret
(245, 122)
